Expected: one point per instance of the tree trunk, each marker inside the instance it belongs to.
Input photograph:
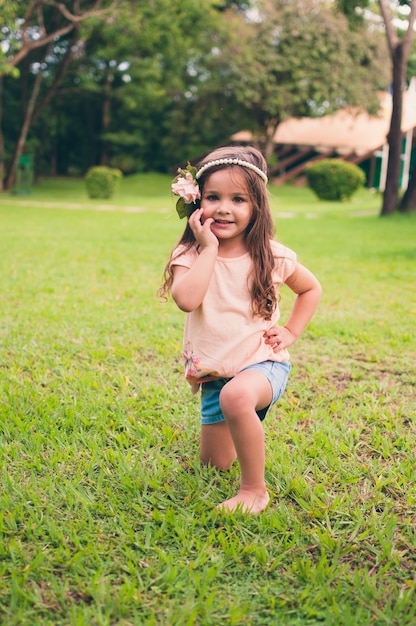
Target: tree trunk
(35, 7)
(24, 131)
(58, 76)
(271, 129)
(408, 202)
(399, 53)
(265, 143)
(106, 116)
(2, 155)
(394, 138)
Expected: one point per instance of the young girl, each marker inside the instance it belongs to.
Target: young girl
(225, 274)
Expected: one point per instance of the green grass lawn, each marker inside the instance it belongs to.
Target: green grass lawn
(107, 516)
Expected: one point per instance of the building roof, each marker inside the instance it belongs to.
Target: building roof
(346, 131)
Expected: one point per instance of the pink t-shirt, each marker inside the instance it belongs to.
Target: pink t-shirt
(222, 336)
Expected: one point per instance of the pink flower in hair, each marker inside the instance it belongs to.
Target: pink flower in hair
(187, 188)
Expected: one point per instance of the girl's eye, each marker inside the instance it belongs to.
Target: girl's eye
(211, 197)
(238, 199)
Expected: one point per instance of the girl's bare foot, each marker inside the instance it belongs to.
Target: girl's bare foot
(246, 502)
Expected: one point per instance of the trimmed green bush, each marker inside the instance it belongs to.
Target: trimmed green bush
(333, 179)
(101, 181)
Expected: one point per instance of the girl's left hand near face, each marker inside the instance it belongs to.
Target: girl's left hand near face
(279, 338)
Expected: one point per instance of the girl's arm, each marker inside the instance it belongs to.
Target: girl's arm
(190, 284)
(308, 290)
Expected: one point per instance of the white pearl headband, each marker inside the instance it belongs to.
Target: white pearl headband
(246, 164)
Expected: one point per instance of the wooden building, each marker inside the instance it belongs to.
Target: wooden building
(348, 134)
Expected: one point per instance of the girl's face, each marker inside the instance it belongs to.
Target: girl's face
(226, 200)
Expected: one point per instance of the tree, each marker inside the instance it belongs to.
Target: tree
(399, 42)
(38, 25)
(30, 28)
(299, 58)
(160, 82)
(408, 201)
(7, 17)
(159, 49)
(125, 88)
(399, 49)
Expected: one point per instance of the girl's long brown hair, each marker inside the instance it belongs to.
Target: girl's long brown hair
(258, 234)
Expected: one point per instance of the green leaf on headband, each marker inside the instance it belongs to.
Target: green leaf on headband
(183, 209)
(189, 168)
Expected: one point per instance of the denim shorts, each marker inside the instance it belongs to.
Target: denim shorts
(277, 373)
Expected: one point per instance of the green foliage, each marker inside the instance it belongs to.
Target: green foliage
(349, 8)
(101, 181)
(9, 14)
(126, 163)
(301, 59)
(178, 77)
(107, 516)
(334, 179)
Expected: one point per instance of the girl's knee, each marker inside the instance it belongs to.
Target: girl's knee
(233, 400)
(217, 447)
(219, 460)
